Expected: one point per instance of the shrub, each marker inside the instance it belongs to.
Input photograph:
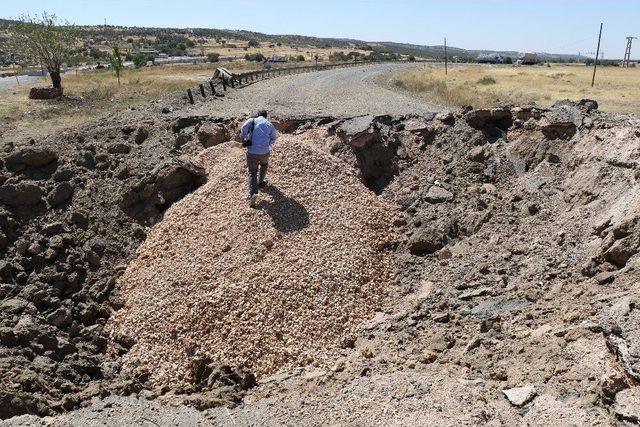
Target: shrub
(487, 80)
(257, 57)
(213, 57)
(301, 58)
(253, 43)
(140, 60)
(338, 57)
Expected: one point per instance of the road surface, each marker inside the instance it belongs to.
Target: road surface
(343, 92)
(8, 82)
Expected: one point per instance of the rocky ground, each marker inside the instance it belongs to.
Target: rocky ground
(514, 245)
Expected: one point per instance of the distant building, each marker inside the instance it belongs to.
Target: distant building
(490, 58)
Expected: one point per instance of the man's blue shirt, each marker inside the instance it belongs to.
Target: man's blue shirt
(264, 135)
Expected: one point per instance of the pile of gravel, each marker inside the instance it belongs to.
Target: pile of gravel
(275, 287)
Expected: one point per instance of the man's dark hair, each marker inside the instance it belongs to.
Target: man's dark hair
(262, 113)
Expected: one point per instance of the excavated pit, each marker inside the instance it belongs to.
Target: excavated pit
(504, 241)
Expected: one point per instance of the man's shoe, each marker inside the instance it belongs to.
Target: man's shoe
(253, 200)
(263, 184)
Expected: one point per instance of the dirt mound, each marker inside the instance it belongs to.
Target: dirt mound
(280, 286)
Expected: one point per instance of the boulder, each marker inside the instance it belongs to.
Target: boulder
(45, 93)
(21, 194)
(31, 156)
(210, 135)
(500, 117)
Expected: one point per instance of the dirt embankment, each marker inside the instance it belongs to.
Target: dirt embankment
(515, 260)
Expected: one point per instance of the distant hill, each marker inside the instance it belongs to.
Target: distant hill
(103, 35)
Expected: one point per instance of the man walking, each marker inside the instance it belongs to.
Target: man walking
(258, 134)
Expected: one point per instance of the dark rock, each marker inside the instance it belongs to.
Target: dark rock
(63, 174)
(118, 148)
(60, 194)
(424, 242)
(31, 156)
(60, 318)
(21, 194)
(588, 105)
(96, 244)
(621, 250)
(45, 93)
(500, 117)
(80, 218)
(53, 228)
(86, 159)
(140, 135)
(181, 140)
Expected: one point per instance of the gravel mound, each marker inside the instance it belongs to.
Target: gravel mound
(275, 287)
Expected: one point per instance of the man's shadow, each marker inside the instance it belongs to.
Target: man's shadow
(287, 214)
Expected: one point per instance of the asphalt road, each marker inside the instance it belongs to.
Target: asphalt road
(8, 82)
(343, 92)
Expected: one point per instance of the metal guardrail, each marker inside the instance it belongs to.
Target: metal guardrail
(221, 84)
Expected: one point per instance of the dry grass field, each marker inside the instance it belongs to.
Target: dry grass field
(94, 93)
(616, 89)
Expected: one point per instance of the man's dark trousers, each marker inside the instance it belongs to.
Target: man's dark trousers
(257, 169)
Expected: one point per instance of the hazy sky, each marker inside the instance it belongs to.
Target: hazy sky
(559, 26)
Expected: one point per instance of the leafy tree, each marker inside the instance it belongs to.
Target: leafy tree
(253, 43)
(139, 60)
(116, 61)
(507, 60)
(46, 40)
(300, 58)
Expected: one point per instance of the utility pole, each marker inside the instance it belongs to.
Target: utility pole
(446, 57)
(595, 63)
(627, 52)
